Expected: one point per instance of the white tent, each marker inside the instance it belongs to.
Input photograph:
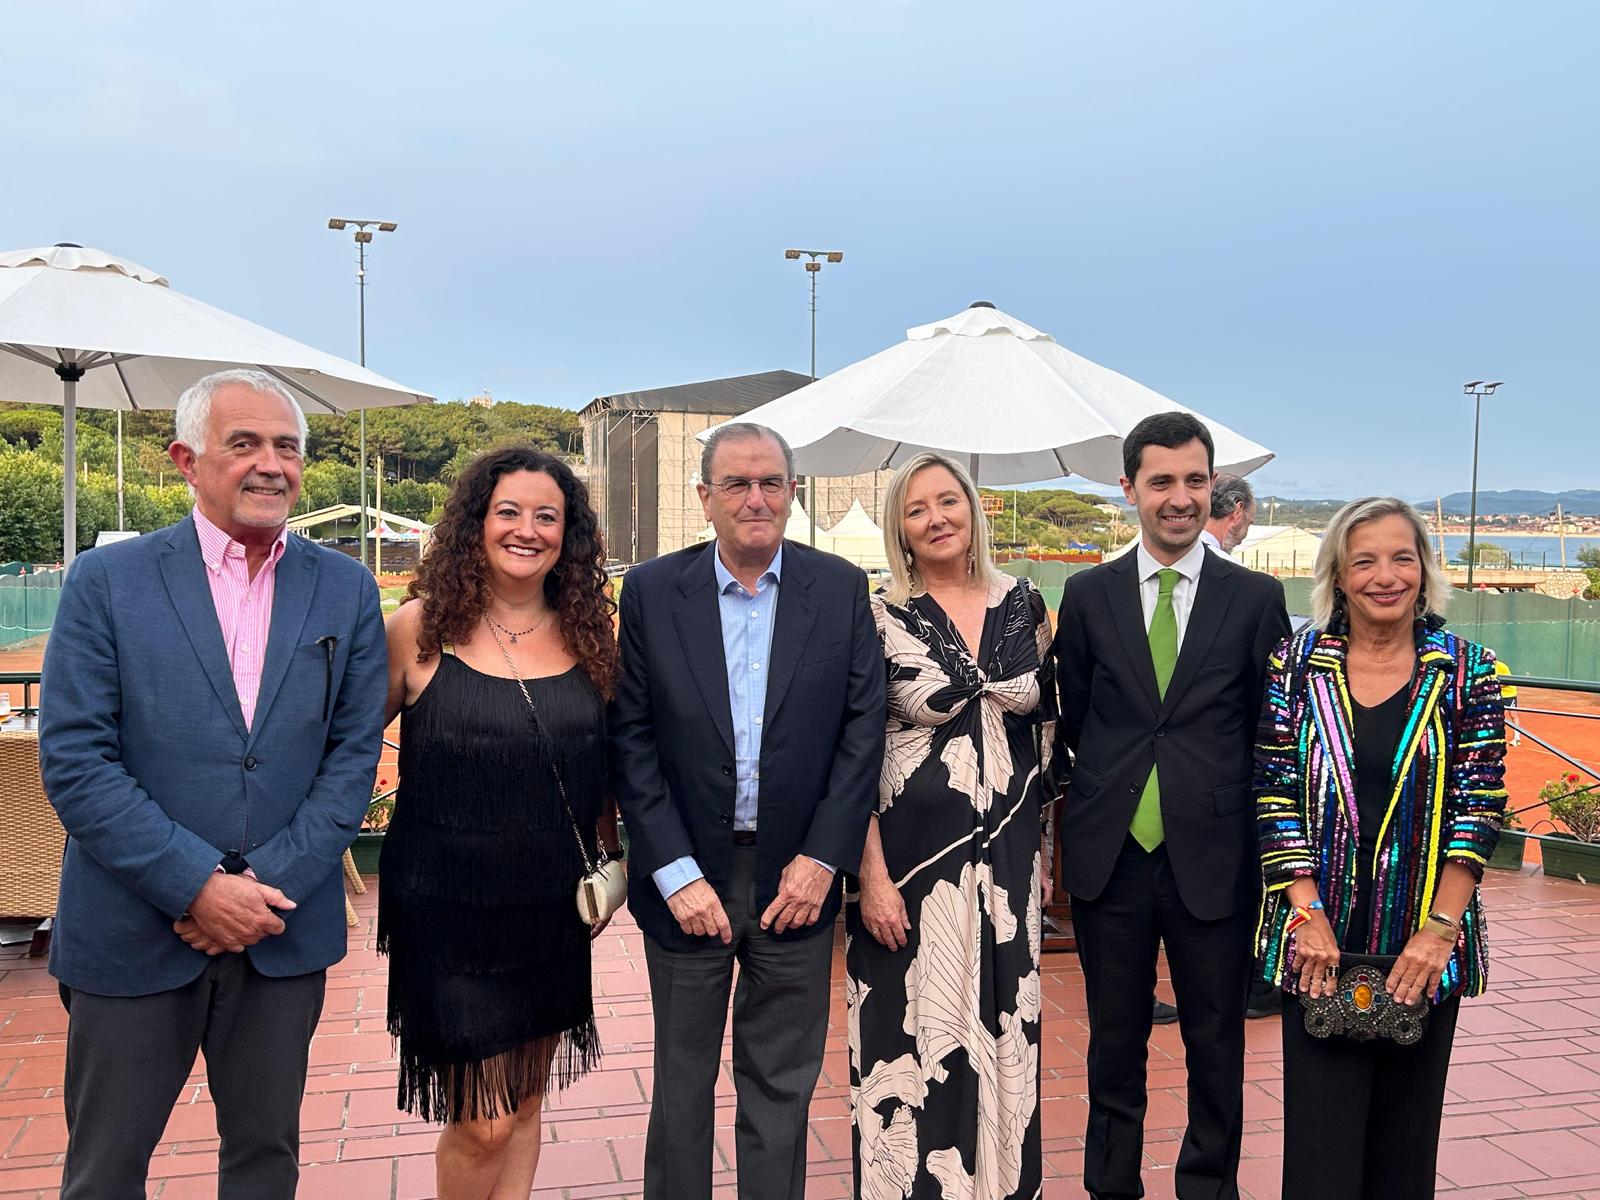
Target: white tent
(1278, 549)
(799, 527)
(857, 538)
(83, 327)
(1006, 397)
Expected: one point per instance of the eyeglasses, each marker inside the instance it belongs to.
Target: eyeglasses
(738, 485)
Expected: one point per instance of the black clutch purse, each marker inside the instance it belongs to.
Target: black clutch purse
(1361, 1007)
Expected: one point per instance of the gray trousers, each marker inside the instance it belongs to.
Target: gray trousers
(780, 1023)
(128, 1058)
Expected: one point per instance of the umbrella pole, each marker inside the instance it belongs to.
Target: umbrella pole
(69, 374)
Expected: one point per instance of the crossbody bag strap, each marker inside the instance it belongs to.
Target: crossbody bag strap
(538, 725)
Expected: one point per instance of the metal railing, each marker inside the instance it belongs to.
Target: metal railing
(1514, 724)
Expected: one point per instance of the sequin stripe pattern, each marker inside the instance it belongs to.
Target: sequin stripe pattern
(1447, 801)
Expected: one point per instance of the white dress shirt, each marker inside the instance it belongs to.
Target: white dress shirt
(1210, 539)
(1188, 569)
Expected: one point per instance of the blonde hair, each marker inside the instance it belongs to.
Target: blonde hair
(904, 581)
(1335, 548)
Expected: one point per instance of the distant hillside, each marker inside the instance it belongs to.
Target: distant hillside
(1583, 502)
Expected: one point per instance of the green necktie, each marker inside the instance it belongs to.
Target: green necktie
(1146, 827)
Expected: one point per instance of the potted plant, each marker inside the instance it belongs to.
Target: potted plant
(1573, 854)
(369, 842)
(1508, 850)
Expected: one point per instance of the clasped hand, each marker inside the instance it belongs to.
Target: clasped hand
(232, 912)
(801, 890)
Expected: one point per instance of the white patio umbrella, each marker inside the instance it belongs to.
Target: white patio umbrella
(83, 327)
(1008, 398)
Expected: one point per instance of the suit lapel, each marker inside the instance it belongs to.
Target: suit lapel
(797, 613)
(698, 617)
(292, 589)
(1127, 611)
(185, 574)
(1205, 619)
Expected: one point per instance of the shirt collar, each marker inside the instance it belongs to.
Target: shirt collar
(215, 545)
(1210, 539)
(1188, 566)
(725, 579)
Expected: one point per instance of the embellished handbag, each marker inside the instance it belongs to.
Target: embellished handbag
(603, 887)
(1362, 1008)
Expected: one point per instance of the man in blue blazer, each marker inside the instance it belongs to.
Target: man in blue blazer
(747, 739)
(210, 722)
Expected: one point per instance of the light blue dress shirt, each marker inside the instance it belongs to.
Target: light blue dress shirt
(747, 624)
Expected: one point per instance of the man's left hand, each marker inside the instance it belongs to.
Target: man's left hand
(801, 890)
(1416, 973)
(189, 931)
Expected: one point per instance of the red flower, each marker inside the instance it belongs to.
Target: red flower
(1573, 777)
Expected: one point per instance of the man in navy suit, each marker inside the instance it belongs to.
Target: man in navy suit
(747, 736)
(210, 722)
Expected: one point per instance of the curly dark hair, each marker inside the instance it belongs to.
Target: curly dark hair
(453, 578)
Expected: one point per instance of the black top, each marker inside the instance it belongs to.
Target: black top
(1376, 732)
(488, 958)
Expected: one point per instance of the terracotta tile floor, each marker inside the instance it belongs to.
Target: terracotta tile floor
(1523, 1117)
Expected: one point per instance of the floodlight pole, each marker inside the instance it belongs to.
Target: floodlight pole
(1477, 389)
(813, 269)
(363, 236)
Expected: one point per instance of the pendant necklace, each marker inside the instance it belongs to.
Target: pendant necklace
(515, 634)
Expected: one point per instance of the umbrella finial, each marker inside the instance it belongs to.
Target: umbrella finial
(981, 304)
(68, 246)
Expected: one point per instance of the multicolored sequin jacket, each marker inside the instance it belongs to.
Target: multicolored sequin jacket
(1446, 804)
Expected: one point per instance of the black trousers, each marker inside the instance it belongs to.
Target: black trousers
(780, 1023)
(1118, 933)
(128, 1058)
(1361, 1119)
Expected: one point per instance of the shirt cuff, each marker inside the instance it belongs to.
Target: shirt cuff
(823, 865)
(677, 875)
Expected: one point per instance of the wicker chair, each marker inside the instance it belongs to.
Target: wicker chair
(31, 838)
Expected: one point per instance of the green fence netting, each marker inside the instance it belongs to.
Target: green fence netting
(28, 605)
(1536, 635)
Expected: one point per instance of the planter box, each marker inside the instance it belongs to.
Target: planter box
(365, 850)
(1565, 857)
(1507, 854)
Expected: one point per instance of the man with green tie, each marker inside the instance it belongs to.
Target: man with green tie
(1161, 657)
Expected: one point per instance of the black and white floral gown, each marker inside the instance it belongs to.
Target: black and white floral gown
(944, 1034)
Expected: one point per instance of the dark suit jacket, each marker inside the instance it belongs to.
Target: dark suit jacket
(146, 757)
(1115, 725)
(672, 732)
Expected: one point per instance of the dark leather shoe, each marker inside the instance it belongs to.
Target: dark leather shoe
(1164, 1014)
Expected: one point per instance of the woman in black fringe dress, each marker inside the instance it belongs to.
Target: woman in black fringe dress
(489, 981)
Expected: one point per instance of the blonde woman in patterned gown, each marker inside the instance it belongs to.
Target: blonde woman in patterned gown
(942, 946)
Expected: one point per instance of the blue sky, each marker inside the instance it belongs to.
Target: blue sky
(1311, 222)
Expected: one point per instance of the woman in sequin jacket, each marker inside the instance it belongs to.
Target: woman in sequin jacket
(1379, 798)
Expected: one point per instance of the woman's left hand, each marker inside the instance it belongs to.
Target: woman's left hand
(599, 927)
(1416, 973)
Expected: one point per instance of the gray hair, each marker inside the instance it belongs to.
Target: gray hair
(737, 431)
(1228, 492)
(1335, 549)
(904, 581)
(194, 406)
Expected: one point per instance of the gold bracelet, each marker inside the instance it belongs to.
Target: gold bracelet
(1442, 927)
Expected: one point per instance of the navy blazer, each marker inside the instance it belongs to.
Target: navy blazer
(146, 757)
(672, 730)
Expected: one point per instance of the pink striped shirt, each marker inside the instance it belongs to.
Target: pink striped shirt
(244, 605)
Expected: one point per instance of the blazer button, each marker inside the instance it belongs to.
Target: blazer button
(250, 763)
(726, 819)
(1134, 788)
(1161, 731)
(727, 770)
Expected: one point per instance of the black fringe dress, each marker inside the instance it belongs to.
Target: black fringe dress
(489, 985)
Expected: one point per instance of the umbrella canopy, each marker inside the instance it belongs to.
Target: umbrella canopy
(1018, 406)
(83, 327)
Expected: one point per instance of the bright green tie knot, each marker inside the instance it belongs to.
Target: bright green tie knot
(1167, 581)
